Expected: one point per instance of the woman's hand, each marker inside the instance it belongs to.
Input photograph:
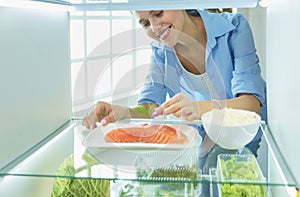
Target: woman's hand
(105, 113)
(180, 106)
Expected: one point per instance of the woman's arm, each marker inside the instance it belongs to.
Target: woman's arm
(106, 113)
(243, 101)
(181, 106)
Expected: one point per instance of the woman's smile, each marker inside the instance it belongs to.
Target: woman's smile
(164, 34)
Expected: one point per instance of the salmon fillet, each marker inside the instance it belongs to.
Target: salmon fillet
(160, 134)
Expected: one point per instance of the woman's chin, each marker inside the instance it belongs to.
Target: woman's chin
(169, 43)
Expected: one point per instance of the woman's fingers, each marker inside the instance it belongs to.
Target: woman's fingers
(179, 106)
(107, 119)
(170, 109)
(98, 112)
(170, 106)
(90, 120)
(108, 113)
(85, 123)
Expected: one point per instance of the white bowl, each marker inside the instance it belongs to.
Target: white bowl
(231, 128)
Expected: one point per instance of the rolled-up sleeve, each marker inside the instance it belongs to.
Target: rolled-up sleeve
(154, 90)
(247, 73)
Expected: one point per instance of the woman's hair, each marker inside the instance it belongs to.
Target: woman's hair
(193, 12)
(214, 10)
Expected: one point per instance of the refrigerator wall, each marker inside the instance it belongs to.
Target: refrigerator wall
(282, 73)
(35, 77)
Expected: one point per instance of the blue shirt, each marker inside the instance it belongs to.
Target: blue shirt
(232, 64)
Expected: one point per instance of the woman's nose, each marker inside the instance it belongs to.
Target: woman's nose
(154, 26)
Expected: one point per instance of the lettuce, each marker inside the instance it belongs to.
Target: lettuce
(245, 171)
(67, 187)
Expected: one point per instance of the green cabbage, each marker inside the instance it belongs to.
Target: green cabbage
(79, 187)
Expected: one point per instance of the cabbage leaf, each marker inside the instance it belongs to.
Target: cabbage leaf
(65, 185)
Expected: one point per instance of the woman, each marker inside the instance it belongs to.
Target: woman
(201, 61)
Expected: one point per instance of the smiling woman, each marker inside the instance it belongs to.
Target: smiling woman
(197, 57)
(195, 63)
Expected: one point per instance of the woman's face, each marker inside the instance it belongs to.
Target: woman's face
(162, 25)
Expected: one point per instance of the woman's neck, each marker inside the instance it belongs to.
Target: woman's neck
(191, 46)
(193, 31)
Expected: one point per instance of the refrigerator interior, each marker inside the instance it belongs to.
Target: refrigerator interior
(36, 60)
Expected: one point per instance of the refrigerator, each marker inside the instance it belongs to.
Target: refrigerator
(37, 97)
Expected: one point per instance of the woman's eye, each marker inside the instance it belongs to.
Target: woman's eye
(145, 25)
(159, 14)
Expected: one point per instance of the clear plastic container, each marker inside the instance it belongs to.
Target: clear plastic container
(169, 181)
(239, 175)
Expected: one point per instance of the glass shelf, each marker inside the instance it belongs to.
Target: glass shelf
(122, 170)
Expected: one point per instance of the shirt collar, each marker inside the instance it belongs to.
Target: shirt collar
(215, 25)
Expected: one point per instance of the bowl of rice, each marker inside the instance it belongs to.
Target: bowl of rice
(231, 128)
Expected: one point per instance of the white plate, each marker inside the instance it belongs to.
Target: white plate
(95, 139)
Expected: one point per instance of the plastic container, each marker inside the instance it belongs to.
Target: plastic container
(170, 181)
(240, 176)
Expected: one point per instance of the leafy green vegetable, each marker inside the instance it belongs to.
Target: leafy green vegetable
(176, 172)
(77, 187)
(143, 110)
(241, 170)
(152, 182)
